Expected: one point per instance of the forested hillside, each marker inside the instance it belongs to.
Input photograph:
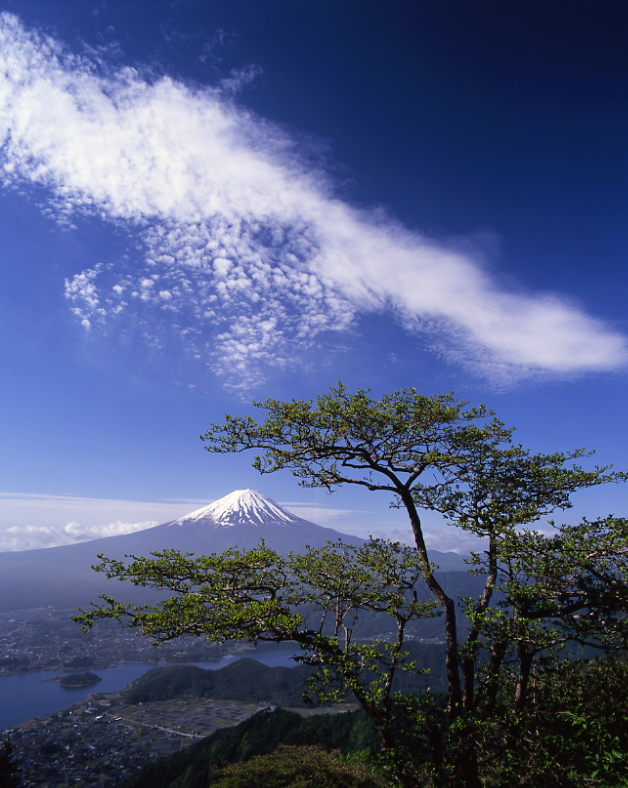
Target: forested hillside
(250, 681)
(260, 734)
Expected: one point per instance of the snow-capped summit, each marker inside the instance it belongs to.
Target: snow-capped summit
(241, 507)
(62, 577)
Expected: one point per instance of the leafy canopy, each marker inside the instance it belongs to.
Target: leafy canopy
(540, 592)
(312, 599)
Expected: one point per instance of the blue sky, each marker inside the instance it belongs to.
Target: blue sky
(205, 203)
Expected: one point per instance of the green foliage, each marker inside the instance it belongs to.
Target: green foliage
(575, 580)
(244, 680)
(431, 453)
(297, 767)
(261, 734)
(478, 478)
(258, 595)
(539, 592)
(342, 437)
(573, 732)
(250, 681)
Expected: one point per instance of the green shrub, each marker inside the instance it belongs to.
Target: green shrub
(297, 767)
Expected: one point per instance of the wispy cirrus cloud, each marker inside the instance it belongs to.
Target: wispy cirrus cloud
(248, 255)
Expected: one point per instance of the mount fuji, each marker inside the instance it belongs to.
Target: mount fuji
(61, 577)
(249, 508)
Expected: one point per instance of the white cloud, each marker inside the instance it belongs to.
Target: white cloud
(28, 537)
(248, 255)
(82, 533)
(33, 537)
(31, 521)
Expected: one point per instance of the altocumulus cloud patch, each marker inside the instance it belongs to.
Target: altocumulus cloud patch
(247, 254)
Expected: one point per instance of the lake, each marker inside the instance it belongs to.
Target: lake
(29, 695)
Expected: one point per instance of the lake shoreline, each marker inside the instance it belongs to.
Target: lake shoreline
(29, 695)
(107, 665)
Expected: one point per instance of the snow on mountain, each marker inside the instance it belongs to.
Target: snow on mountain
(62, 576)
(241, 507)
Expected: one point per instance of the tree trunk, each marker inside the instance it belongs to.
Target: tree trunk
(454, 691)
(469, 661)
(498, 652)
(467, 773)
(525, 666)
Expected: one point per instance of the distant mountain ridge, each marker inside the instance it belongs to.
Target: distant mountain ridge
(62, 576)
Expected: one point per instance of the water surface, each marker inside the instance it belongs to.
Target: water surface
(29, 695)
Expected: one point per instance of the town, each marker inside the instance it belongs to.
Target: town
(101, 740)
(46, 639)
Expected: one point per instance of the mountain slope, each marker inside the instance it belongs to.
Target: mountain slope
(260, 734)
(62, 576)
